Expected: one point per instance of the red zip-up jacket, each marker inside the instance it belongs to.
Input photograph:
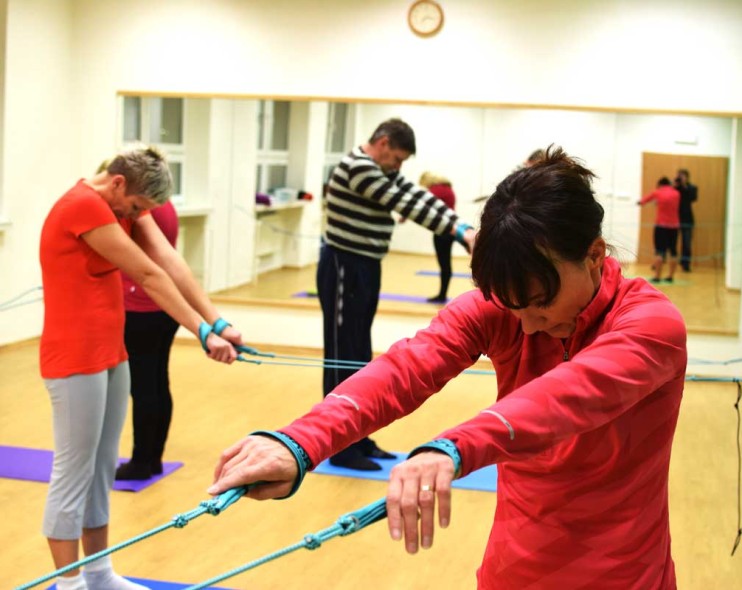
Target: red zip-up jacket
(581, 431)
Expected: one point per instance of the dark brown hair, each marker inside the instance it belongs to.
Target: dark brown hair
(535, 216)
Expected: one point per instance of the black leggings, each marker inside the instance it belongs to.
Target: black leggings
(443, 245)
(149, 337)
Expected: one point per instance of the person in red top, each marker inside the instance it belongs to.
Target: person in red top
(441, 188)
(590, 372)
(148, 335)
(666, 226)
(99, 226)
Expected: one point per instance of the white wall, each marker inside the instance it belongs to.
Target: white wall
(65, 60)
(41, 146)
(569, 52)
(578, 52)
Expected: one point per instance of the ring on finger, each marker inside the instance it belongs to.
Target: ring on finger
(426, 488)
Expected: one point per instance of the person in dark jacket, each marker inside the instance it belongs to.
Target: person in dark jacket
(688, 195)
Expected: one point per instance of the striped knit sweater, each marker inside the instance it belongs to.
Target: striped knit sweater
(360, 201)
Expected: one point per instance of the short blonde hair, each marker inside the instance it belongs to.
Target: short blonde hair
(146, 172)
(428, 179)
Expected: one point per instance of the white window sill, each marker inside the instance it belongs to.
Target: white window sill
(193, 210)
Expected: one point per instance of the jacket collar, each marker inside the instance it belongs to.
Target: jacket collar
(610, 278)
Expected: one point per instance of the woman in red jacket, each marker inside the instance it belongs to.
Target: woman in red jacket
(590, 373)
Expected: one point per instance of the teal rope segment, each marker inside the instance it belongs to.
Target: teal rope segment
(255, 352)
(21, 303)
(213, 506)
(316, 362)
(290, 364)
(345, 525)
(11, 303)
(692, 361)
(342, 364)
(701, 378)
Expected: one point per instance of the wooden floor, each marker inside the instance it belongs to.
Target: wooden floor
(706, 304)
(217, 404)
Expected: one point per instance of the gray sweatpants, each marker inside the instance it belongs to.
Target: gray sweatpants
(88, 414)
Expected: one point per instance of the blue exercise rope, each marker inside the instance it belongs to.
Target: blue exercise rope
(327, 363)
(11, 303)
(214, 506)
(344, 526)
(302, 361)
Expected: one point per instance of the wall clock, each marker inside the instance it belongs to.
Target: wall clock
(425, 17)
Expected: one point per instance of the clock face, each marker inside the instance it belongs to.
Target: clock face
(425, 17)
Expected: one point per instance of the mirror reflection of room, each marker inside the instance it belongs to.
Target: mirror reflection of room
(286, 150)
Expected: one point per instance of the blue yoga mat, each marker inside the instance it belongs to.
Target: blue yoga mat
(436, 273)
(36, 465)
(484, 479)
(385, 296)
(155, 585)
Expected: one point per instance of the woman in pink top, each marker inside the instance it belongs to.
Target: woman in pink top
(148, 334)
(441, 188)
(590, 373)
(666, 226)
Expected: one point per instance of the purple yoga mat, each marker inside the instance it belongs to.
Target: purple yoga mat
(386, 296)
(36, 465)
(157, 585)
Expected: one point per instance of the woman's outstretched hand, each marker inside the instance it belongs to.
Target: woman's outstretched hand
(256, 459)
(414, 487)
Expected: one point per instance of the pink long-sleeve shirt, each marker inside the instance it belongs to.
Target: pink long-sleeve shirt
(581, 431)
(668, 206)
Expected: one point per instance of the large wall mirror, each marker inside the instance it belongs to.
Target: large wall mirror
(242, 166)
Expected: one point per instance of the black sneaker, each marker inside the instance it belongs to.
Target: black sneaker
(370, 449)
(352, 458)
(133, 471)
(668, 279)
(437, 299)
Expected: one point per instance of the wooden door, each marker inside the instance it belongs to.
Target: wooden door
(709, 174)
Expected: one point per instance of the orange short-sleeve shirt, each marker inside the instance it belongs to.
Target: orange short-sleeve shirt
(83, 302)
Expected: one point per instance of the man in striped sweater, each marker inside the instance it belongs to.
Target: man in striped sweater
(364, 189)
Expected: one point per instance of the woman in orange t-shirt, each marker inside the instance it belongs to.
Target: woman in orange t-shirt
(101, 226)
